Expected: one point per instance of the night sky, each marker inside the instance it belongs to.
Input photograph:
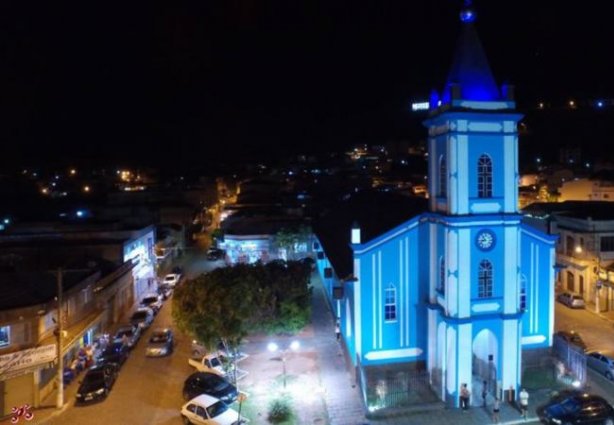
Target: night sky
(189, 83)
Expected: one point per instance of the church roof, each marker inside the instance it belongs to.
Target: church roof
(374, 212)
(470, 69)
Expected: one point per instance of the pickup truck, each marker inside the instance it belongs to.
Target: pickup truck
(215, 362)
(209, 363)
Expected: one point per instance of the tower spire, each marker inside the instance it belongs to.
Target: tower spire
(470, 77)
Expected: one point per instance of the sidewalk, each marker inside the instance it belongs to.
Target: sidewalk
(342, 396)
(607, 315)
(344, 401)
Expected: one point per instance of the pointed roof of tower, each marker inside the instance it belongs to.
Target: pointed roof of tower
(470, 69)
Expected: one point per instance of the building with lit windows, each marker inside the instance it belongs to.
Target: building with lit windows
(461, 292)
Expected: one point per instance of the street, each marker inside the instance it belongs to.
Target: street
(147, 390)
(597, 332)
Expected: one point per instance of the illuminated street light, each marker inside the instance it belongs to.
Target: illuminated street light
(273, 347)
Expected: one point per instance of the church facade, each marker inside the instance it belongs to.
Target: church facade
(464, 289)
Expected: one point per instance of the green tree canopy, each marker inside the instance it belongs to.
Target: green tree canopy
(230, 302)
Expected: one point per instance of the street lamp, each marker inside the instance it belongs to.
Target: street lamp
(273, 347)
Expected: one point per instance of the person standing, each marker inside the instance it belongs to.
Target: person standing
(496, 406)
(337, 330)
(523, 399)
(465, 394)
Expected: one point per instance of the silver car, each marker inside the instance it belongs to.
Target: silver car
(571, 300)
(602, 363)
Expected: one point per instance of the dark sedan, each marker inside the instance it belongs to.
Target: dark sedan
(97, 383)
(578, 409)
(211, 384)
(128, 334)
(117, 353)
(571, 337)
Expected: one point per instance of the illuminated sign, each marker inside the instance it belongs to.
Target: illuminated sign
(420, 106)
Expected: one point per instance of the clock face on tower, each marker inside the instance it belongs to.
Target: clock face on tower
(485, 240)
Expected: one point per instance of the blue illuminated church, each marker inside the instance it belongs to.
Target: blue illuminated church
(454, 289)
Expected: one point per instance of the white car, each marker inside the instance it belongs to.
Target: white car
(571, 300)
(207, 410)
(172, 279)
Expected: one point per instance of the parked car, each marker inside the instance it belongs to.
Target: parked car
(172, 279)
(153, 301)
(209, 363)
(214, 254)
(165, 290)
(132, 333)
(571, 300)
(571, 337)
(207, 410)
(211, 384)
(97, 383)
(116, 353)
(602, 363)
(160, 343)
(143, 317)
(578, 409)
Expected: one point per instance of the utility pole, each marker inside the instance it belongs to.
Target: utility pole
(60, 399)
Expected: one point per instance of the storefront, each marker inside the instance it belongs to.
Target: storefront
(20, 376)
(75, 338)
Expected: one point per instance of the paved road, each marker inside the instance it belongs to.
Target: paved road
(148, 390)
(598, 333)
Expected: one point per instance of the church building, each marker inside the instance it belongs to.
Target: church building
(456, 288)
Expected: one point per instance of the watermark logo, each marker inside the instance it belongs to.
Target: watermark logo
(21, 412)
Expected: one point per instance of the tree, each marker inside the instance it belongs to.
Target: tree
(290, 239)
(229, 302)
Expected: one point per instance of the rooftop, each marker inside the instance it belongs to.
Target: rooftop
(375, 212)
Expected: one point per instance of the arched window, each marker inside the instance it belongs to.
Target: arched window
(485, 279)
(390, 304)
(441, 284)
(443, 177)
(484, 177)
(523, 293)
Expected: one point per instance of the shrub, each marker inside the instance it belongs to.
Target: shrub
(279, 411)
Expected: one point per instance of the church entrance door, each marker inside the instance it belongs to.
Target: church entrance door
(484, 367)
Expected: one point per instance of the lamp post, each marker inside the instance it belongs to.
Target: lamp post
(272, 347)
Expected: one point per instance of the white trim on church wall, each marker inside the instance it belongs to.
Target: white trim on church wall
(431, 340)
(433, 259)
(373, 302)
(393, 354)
(463, 174)
(401, 303)
(485, 307)
(509, 365)
(464, 272)
(533, 339)
(551, 301)
(484, 105)
(465, 354)
(537, 291)
(432, 182)
(510, 272)
(509, 174)
(485, 207)
(357, 306)
(485, 126)
(451, 271)
(407, 309)
(450, 357)
(380, 302)
(453, 175)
